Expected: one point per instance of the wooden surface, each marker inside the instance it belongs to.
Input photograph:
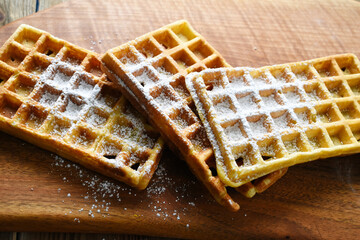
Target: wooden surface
(11, 10)
(40, 192)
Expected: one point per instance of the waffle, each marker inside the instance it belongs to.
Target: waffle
(53, 94)
(151, 71)
(261, 120)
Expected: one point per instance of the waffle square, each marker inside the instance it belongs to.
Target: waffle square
(53, 94)
(261, 120)
(151, 71)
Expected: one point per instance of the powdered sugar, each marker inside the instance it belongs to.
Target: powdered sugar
(34, 121)
(75, 96)
(281, 122)
(270, 101)
(95, 119)
(72, 110)
(238, 82)
(267, 150)
(262, 108)
(291, 146)
(259, 81)
(223, 108)
(48, 99)
(180, 122)
(234, 132)
(258, 126)
(303, 117)
(163, 72)
(122, 131)
(100, 196)
(247, 102)
(84, 88)
(313, 96)
(84, 140)
(128, 61)
(145, 79)
(60, 79)
(165, 101)
(106, 100)
(292, 97)
(301, 76)
(281, 77)
(109, 149)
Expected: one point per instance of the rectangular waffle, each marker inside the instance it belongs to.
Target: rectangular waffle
(53, 94)
(261, 120)
(151, 71)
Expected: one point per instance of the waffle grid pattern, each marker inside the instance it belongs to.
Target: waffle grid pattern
(152, 70)
(54, 93)
(261, 120)
(157, 66)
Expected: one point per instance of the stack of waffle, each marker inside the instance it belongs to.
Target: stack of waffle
(235, 127)
(151, 72)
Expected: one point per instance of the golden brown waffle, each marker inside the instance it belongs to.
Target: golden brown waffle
(54, 95)
(261, 120)
(151, 71)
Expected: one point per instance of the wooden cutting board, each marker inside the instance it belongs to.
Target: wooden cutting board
(321, 199)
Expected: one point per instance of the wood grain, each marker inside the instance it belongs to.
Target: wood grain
(45, 4)
(11, 10)
(313, 201)
(16, 9)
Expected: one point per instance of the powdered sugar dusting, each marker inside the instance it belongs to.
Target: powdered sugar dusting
(72, 110)
(262, 108)
(292, 97)
(303, 118)
(163, 72)
(270, 101)
(128, 61)
(84, 88)
(139, 133)
(281, 77)
(258, 127)
(180, 122)
(313, 96)
(145, 79)
(121, 130)
(267, 150)
(259, 80)
(291, 146)
(238, 82)
(60, 79)
(234, 132)
(301, 76)
(247, 103)
(281, 122)
(101, 197)
(223, 108)
(165, 101)
(48, 99)
(80, 107)
(95, 119)
(109, 149)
